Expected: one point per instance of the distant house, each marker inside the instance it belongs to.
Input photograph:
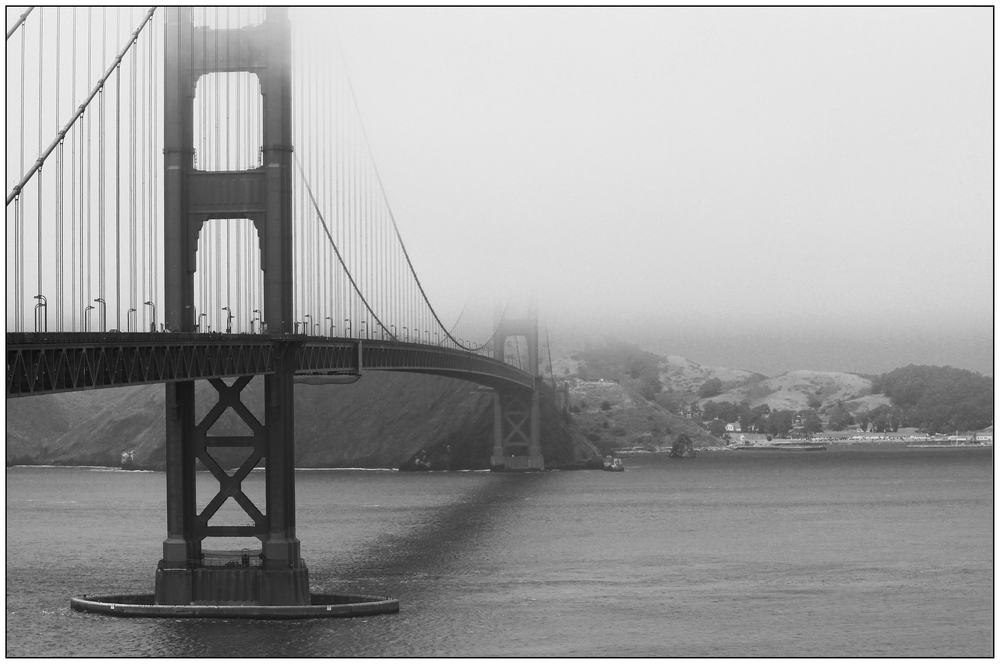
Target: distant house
(798, 420)
(733, 426)
(692, 411)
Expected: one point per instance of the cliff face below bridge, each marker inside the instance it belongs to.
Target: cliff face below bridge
(381, 421)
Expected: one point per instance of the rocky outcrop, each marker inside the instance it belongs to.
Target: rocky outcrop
(683, 447)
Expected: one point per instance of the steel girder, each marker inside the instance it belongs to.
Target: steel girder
(48, 363)
(41, 363)
(356, 356)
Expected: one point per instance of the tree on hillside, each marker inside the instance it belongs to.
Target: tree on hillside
(814, 401)
(811, 423)
(724, 410)
(650, 386)
(939, 399)
(670, 402)
(779, 422)
(717, 428)
(710, 388)
(755, 419)
(882, 419)
(839, 419)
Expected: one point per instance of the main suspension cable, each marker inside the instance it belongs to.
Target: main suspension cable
(392, 218)
(83, 107)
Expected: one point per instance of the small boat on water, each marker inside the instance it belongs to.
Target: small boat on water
(614, 465)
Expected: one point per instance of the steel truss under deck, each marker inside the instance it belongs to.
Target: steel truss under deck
(48, 363)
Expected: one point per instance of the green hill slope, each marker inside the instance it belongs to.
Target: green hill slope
(380, 421)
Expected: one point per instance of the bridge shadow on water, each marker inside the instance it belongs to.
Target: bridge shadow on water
(415, 566)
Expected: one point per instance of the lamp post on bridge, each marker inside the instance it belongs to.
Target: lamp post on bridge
(364, 324)
(307, 327)
(427, 332)
(104, 313)
(256, 318)
(86, 318)
(393, 332)
(152, 326)
(348, 321)
(406, 331)
(44, 304)
(128, 318)
(229, 320)
(200, 316)
(329, 318)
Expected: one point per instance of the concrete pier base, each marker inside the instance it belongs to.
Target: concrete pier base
(252, 586)
(517, 463)
(319, 606)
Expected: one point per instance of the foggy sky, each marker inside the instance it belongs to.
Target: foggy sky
(739, 171)
(768, 189)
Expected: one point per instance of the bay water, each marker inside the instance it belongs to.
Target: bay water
(883, 551)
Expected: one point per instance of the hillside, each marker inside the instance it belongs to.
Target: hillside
(380, 421)
(613, 416)
(682, 375)
(647, 394)
(792, 391)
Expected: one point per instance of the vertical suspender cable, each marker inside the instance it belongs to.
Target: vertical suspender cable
(38, 229)
(101, 172)
(118, 200)
(118, 179)
(131, 186)
(154, 188)
(60, 189)
(88, 192)
(72, 177)
(147, 167)
(19, 216)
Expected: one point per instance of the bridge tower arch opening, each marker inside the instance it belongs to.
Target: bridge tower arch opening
(228, 281)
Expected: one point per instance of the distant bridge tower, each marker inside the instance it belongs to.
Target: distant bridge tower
(264, 196)
(516, 416)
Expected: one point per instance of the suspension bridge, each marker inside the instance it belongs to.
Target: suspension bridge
(190, 197)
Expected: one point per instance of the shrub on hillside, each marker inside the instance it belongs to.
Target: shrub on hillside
(710, 388)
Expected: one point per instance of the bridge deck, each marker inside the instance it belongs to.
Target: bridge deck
(43, 363)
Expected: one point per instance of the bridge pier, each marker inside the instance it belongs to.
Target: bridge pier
(516, 437)
(273, 576)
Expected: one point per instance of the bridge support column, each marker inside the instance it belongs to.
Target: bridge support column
(517, 416)
(276, 574)
(284, 578)
(182, 546)
(516, 432)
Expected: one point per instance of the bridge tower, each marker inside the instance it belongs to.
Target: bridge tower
(516, 416)
(264, 196)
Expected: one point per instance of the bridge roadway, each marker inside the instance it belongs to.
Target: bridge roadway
(46, 363)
